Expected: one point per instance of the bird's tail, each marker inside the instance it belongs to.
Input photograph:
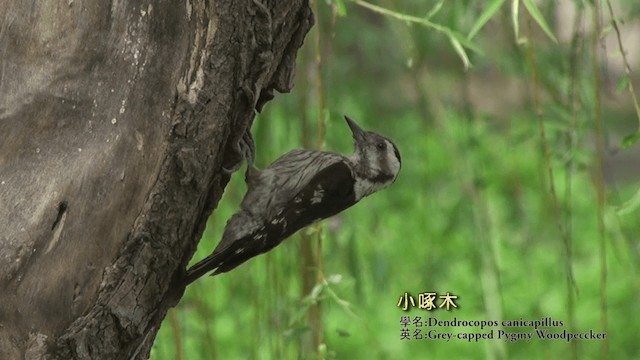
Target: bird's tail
(203, 266)
(224, 257)
(232, 231)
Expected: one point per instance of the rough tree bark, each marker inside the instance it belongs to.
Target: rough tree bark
(116, 120)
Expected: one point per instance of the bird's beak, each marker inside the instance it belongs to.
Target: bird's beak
(358, 133)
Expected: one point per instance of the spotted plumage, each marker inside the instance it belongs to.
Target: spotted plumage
(297, 189)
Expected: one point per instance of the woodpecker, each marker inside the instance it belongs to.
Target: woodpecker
(299, 188)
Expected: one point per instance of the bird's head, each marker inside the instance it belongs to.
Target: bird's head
(376, 159)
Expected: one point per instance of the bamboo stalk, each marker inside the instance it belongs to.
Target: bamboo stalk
(561, 219)
(599, 176)
(311, 246)
(571, 143)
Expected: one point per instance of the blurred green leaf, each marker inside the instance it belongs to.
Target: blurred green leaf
(465, 42)
(297, 331)
(623, 83)
(436, 8)
(485, 16)
(455, 38)
(340, 7)
(335, 279)
(315, 293)
(630, 140)
(604, 32)
(630, 205)
(515, 14)
(460, 51)
(535, 13)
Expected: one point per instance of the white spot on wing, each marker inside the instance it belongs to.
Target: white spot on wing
(318, 193)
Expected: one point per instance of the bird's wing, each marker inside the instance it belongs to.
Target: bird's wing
(295, 169)
(275, 185)
(326, 194)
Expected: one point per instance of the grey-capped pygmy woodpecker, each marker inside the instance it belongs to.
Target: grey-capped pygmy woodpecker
(299, 188)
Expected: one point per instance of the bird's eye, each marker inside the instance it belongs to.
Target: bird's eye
(381, 146)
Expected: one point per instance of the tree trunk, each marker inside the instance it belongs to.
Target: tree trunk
(116, 121)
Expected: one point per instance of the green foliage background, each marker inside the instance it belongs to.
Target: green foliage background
(510, 195)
